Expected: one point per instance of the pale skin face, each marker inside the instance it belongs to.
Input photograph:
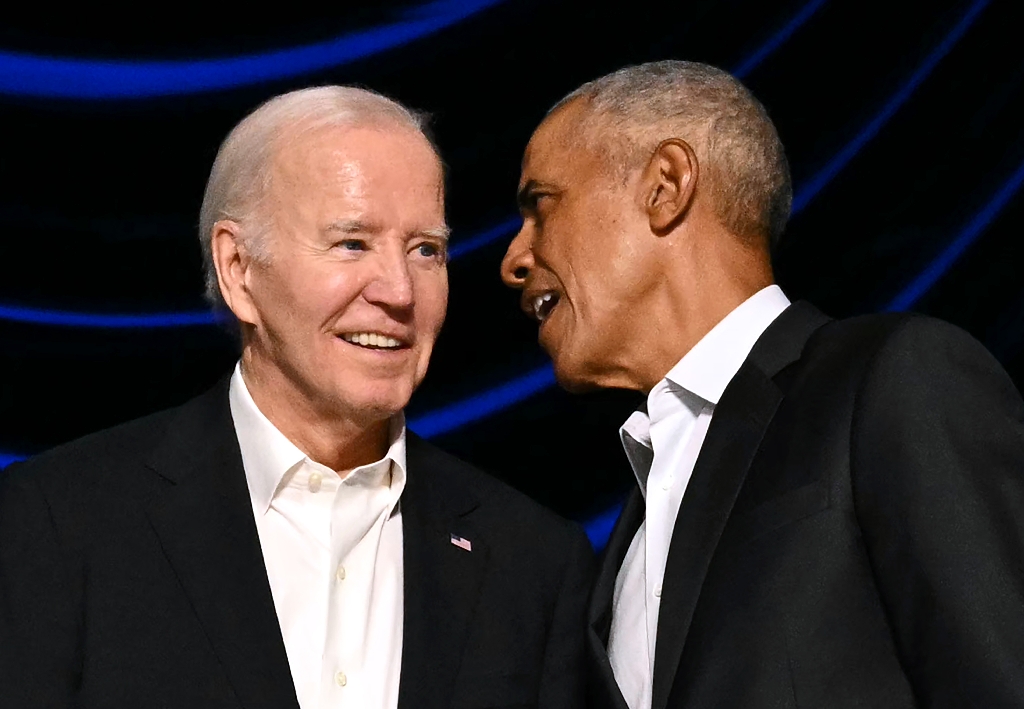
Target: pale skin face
(624, 272)
(340, 319)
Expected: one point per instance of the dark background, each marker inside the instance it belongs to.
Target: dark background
(903, 121)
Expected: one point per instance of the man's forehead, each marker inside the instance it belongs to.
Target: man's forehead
(556, 148)
(346, 153)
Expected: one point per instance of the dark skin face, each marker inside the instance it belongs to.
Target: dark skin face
(625, 273)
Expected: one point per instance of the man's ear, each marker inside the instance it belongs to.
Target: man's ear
(233, 264)
(669, 183)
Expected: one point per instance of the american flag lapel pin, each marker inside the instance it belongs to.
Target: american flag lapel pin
(461, 543)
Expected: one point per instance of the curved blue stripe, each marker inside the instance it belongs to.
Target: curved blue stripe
(488, 236)
(110, 321)
(448, 418)
(778, 39)
(8, 458)
(120, 321)
(970, 233)
(810, 189)
(58, 78)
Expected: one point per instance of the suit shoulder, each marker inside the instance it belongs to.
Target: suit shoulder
(891, 341)
(886, 330)
(78, 466)
(879, 340)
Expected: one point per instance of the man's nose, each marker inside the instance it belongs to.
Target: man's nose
(392, 284)
(518, 261)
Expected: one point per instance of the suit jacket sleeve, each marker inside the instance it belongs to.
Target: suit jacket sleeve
(938, 482)
(563, 681)
(40, 596)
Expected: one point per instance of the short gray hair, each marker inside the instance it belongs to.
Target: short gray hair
(242, 171)
(633, 109)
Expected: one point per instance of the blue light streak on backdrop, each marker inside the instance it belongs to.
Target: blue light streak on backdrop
(111, 321)
(197, 318)
(810, 189)
(448, 418)
(8, 458)
(35, 76)
(778, 39)
(956, 248)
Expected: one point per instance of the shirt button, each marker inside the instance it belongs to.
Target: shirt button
(341, 679)
(657, 591)
(340, 573)
(314, 482)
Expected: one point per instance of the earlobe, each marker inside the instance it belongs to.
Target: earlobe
(232, 264)
(670, 180)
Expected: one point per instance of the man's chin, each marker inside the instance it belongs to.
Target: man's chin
(572, 377)
(371, 405)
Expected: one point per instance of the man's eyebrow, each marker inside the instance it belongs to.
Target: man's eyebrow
(360, 226)
(440, 232)
(352, 226)
(523, 195)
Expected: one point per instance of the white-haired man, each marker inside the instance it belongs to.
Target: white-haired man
(827, 513)
(282, 540)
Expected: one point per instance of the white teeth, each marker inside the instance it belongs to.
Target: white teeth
(538, 303)
(371, 339)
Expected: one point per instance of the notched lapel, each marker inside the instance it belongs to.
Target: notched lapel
(741, 418)
(442, 581)
(205, 524)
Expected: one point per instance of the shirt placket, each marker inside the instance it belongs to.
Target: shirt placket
(357, 518)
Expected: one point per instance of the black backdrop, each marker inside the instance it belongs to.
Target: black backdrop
(903, 121)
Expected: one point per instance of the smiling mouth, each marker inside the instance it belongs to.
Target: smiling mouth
(543, 304)
(373, 341)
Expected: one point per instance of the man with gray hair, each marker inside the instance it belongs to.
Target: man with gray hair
(827, 513)
(283, 540)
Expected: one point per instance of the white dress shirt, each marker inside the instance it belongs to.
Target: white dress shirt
(662, 445)
(332, 544)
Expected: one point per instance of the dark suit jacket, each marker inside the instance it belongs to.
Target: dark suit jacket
(131, 576)
(853, 531)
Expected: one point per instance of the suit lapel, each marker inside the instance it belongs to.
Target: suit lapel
(604, 690)
(618, 544)
(205, 524)
(740, 420)
(442, 580)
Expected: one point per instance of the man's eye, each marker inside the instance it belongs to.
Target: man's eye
(352, 245)
(428, 250)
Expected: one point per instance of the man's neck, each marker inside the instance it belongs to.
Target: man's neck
(338, 442)
(695, 301)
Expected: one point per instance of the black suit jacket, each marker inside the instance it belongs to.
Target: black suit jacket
(853, 531)
(131, 575)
